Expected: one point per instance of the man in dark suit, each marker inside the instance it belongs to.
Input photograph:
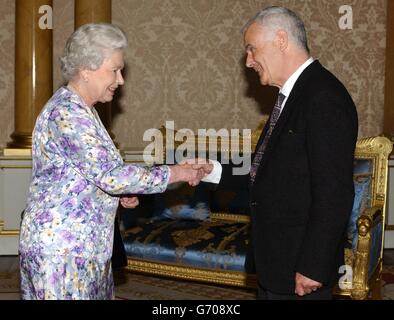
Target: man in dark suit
(301, 186)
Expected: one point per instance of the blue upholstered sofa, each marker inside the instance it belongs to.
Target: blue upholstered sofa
(202, 233)
(198, 233)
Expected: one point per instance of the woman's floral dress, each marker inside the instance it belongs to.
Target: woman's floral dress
(78, 175)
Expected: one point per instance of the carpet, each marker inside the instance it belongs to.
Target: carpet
(388, 282)
(132, 286)
(9, 286)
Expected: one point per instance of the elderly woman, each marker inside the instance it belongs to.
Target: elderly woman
(79, 176)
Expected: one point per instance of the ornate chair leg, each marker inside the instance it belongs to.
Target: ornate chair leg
(377, 290)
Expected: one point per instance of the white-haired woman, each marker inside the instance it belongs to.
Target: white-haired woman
(79, 176)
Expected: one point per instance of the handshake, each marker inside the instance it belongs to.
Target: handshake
(191, 171)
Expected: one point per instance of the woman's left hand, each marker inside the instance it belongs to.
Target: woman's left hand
(129, 202)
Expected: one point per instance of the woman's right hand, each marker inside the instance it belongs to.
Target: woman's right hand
(186, 173)
(129, 202)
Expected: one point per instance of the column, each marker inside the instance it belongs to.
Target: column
(33, 69)
(96, 11)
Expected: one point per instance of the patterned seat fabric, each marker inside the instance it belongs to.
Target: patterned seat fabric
(207, 244)
(182, 231)
(363, 171)
(362, 178)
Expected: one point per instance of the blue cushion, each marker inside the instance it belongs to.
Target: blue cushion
(221, 245)
(181, 201)
(362, 179)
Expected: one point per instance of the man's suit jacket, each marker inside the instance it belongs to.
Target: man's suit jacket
(303, 192)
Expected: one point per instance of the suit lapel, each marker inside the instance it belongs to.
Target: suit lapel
(291, 104)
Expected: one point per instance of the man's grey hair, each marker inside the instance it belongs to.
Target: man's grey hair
(280, 18)
(88, 46)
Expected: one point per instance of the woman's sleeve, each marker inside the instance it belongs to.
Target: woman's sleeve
(76, 138)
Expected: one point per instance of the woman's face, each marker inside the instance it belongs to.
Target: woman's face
(103, 82)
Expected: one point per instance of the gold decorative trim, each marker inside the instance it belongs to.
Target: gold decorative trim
(230, 217)
(369, 218)
(135, 161)
(157, 232)
(5, 232)
(11, 152)
(9, 232)
(377, 149)
(226, 240)
(227, 144)
(15, 167)
(7, 158)
(233, 278)
(362, 292)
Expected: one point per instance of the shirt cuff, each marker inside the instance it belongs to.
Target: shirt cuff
(216, 174)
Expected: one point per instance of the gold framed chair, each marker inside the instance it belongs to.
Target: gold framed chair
(364, 258)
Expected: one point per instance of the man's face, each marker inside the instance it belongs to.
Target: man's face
(261, 54)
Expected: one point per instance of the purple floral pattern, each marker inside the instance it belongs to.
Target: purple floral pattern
(78, 175)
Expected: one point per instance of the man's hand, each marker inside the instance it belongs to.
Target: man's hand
(186, 173)
(129, 202)
(304, 285)
(199, 163)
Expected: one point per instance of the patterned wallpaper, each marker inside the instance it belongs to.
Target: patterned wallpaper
(7, 52)
(185, 62)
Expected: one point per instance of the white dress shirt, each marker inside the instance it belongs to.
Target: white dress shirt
(216, 174)
(289, 84)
